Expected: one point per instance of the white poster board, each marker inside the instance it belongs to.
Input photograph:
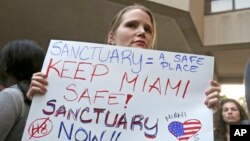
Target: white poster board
(100, 92)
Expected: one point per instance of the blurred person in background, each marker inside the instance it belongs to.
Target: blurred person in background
(19, 59)
(230, 113)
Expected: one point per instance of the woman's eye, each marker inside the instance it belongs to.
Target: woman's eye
(131, 25)
(148, 29)
(235, 109)
(224, 110)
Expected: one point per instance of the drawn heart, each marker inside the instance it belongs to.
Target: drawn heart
(184, 131)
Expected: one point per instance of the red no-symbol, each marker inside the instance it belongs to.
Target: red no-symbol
(40, 128)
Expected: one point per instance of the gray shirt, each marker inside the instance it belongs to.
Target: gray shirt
(13, 114)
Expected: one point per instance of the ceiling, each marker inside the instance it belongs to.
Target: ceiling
(88, 21)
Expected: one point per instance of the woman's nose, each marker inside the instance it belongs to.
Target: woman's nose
(141, 31)
(230, 111)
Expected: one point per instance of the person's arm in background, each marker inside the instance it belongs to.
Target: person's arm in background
(247, 84)
(11, 108)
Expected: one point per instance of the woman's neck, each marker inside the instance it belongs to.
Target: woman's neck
(228, 127)
(228, 132)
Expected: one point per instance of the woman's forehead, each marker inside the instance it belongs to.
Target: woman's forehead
(231, 104)
(136, 14)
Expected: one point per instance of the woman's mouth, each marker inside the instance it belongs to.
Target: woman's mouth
(141, 44)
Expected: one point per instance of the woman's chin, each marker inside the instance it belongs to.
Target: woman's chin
(139, 46)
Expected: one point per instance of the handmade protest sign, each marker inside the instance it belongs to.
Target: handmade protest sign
(100, 92)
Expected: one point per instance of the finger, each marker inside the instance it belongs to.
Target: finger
(213, 88)
(39, 79)
(212, 95)
(215, 83)
(39, 74)
(37, 84)
(34, 90)
(213, 103)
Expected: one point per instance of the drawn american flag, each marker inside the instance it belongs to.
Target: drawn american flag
(184, 131)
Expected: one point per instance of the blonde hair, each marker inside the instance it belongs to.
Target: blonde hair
(118, 19)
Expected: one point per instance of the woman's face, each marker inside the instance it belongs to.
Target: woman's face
(230, 113)
(135, 30)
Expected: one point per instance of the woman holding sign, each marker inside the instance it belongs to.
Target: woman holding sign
(133, 26)
(19, 59)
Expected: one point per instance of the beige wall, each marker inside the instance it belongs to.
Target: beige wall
(227, 28)
(197, 14)
(179, 4)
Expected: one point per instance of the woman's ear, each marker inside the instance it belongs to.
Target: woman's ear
(111, 38)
